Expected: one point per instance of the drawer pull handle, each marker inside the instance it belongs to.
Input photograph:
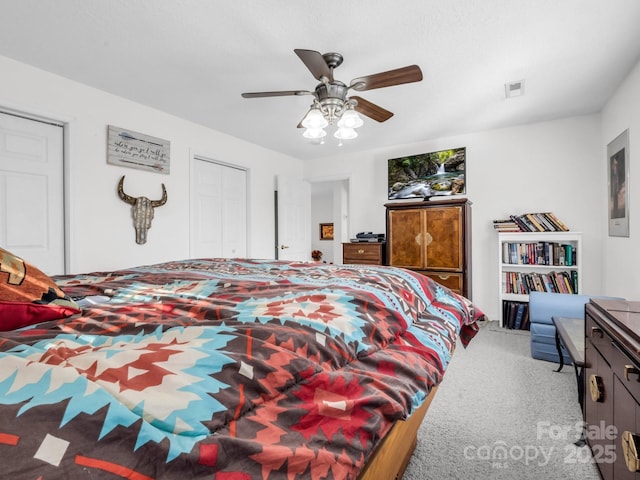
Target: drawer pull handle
(444, 277)
(361, 250)
(596, 330)
(630, 448)
(596, 388)
(630, 370)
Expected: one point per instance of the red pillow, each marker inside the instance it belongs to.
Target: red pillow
(28, 295)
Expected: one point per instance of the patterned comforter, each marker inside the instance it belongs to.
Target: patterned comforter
(224, 369)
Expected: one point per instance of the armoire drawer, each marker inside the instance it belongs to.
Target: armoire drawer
(453, 281)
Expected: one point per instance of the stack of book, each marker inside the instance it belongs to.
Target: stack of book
(539, 253)
(531, 222)
(554, 282)
(515, 315)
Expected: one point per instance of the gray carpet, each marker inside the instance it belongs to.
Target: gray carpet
(499, 414)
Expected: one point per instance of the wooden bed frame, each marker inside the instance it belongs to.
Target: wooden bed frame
(391, 458)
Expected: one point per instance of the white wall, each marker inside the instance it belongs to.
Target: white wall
(322, 212)
(101, 234)
(621, 255)
(552, 166)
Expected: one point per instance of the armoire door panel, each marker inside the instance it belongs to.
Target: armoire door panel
(407, 246)
(444, 245)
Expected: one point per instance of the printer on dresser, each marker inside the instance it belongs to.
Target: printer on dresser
(612, 386)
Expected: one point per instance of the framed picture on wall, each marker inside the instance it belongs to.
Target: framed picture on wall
(618, 172)
(326, 231)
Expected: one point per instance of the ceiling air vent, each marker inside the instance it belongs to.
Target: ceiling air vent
(514, 89)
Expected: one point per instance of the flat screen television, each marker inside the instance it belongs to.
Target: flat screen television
(427, 175)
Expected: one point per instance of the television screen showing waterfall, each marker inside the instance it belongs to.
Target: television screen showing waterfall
(428, 174)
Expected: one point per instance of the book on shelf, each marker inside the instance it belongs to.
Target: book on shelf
(539, 253)
(556, 221)
(515, 315)
(555, 282)
(506, 226)
(531, 222)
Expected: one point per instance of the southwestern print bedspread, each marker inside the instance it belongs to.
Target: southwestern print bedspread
(224, 369)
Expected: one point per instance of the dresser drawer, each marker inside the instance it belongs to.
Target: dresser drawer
(363, 253)
(626, 370)
(599, 337)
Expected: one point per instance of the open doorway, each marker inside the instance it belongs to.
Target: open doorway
(330, 205)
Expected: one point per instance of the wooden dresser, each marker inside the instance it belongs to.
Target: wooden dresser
(612, 386)
(433, 238)
(366, 253)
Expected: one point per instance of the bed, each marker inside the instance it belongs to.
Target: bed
(221, 369)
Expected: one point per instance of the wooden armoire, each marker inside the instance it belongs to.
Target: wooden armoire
(434, 238)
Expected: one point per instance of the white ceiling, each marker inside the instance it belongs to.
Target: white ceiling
(193, 58)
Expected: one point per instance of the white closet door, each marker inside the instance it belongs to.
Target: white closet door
(219, 210)
(32, 191)
(234, 212)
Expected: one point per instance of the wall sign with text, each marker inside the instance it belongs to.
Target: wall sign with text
(136, 150)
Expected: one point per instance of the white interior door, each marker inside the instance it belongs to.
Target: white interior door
(234, 212)
(32, 191)
(294, 223)
(219, 210)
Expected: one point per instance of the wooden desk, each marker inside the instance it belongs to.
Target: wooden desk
(570, 335)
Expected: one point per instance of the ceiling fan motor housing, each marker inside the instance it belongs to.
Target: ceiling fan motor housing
(332, 98)
(334, 60)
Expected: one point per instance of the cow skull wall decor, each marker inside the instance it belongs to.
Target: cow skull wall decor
(141, 210)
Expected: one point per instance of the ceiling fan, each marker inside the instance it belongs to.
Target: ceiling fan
(331, 102)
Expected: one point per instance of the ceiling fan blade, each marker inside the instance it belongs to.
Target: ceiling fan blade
(409, 74)
(282, 93)
(316, 63)
(371, 110)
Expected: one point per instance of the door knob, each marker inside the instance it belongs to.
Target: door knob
(282, 247)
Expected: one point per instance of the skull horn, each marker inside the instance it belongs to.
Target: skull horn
(162, 201)
(127, 198)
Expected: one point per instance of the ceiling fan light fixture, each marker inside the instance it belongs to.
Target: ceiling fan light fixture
(314, 133)
(345, 133)
(331, 104)
(314, 119)
(350, 119)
